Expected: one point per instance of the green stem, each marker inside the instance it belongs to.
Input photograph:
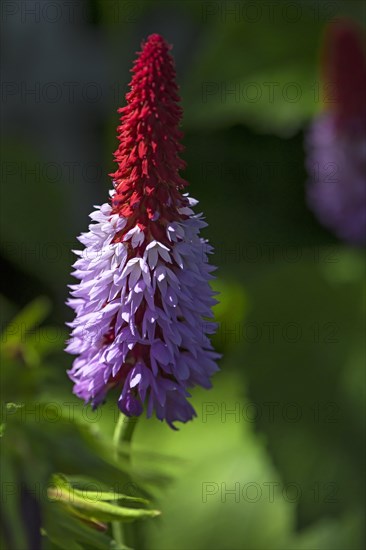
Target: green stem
(123, 433)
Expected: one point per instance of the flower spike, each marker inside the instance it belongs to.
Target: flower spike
(336, 143)
(144, 299)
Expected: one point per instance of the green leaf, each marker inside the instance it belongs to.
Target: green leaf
(31, 316)
(86, 503)
(66, 531)
(307, 362)
(50, 340)
(11, 501)
(95, 495)
(80, 484)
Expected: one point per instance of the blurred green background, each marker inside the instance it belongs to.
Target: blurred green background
(275, 458)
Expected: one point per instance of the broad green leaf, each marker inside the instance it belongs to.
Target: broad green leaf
(307, 365)
(223, 458)
(335, 534)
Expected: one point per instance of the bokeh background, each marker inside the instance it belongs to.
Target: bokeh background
(275, 458)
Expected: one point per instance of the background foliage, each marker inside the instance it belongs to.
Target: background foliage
(274, 459)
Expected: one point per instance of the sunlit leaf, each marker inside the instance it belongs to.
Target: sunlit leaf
(94, 508)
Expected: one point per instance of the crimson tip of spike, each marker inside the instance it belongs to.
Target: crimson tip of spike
(155, 40)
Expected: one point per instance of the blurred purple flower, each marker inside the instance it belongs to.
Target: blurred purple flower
(336, 142)
(144, 297)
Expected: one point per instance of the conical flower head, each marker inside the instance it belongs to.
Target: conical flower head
(144, 301)
(336, 142)
(147, 179)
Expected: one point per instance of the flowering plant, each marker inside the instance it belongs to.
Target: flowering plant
(144, 295)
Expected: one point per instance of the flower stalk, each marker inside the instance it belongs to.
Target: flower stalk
(122, 437)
